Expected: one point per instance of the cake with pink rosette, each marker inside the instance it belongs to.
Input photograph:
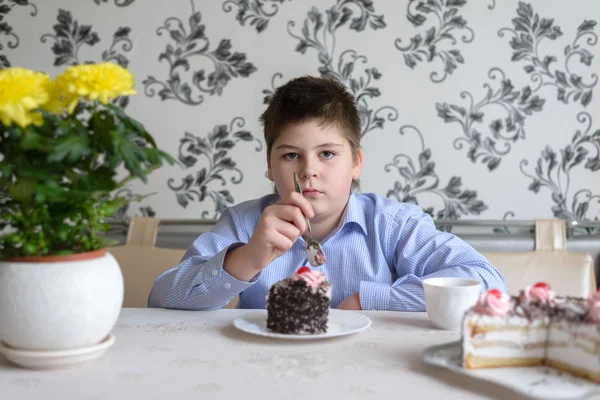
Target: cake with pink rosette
(299, 304)
(534, 328)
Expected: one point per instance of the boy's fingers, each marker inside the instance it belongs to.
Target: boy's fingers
(299, 201)
(290, 214)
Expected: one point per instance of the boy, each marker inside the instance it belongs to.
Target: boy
(378, 250)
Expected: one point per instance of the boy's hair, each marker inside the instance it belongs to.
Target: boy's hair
(312, 98)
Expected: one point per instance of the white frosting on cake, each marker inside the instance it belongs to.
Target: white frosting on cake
(312, 278)
(575, 346)
(506, 337)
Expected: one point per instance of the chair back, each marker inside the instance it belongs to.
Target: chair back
(567, 273)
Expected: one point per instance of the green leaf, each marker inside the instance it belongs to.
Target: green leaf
(3, 183)
(166, 157)
(102, 123)
(23, 166)
(15, 132)
(22, 190)
(141, 131)
(31, 140)
(6, 169)
(70, 149)
(65, 252)
(132, 155)
(101, 179)
(110, 242)
(132, 124)
(49, 192)
(64, 128)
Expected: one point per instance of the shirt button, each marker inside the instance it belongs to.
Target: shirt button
(215, 272)
(228, 285)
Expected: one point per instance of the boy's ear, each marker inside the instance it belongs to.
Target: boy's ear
(358, 160)
(269, 170)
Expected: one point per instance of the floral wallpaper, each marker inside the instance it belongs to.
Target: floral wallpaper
(468, 109)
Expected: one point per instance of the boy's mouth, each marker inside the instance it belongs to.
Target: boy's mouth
(310, 192)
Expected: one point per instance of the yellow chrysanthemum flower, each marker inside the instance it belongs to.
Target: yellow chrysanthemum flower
(101, 82)
(22, 91)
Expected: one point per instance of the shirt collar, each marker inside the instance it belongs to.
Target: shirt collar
(354, 213)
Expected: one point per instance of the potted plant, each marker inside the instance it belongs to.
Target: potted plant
(64, 149)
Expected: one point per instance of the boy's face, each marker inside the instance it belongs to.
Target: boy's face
(323, 159)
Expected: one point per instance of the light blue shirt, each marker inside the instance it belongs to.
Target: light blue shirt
(381, 249)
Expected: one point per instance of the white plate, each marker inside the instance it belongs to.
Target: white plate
(40, 359)
(340, 323)
(536, 382)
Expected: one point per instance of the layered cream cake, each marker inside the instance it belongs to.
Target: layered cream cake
(534, 328)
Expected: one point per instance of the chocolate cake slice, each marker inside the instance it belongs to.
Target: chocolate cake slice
(299, 304)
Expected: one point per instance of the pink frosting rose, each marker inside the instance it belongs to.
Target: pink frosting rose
(594, 307)
(537, 293)
(494, 303)
(312, 278)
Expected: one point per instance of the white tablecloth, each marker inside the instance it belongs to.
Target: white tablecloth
(180, 355)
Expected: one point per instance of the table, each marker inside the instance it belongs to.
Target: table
(180, 355)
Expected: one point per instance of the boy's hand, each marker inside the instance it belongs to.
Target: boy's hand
(351, 302)
(280, 225)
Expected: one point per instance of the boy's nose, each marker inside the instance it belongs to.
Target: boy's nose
(307, 175)
(307, 172)
(308, 168)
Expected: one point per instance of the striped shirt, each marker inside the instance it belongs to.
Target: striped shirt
(381, 249)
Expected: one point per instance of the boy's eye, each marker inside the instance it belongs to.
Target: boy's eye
(290, 156)
(327, 154)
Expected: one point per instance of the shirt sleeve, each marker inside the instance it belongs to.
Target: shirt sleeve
(199, 282)
(421, 251)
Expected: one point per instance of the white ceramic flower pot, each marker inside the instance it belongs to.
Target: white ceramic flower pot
(59, 303)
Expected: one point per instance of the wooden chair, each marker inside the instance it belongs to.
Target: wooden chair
(141, 262)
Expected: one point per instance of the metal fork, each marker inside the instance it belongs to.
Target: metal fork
(314, 251)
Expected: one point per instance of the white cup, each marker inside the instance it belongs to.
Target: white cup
(447, 300)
